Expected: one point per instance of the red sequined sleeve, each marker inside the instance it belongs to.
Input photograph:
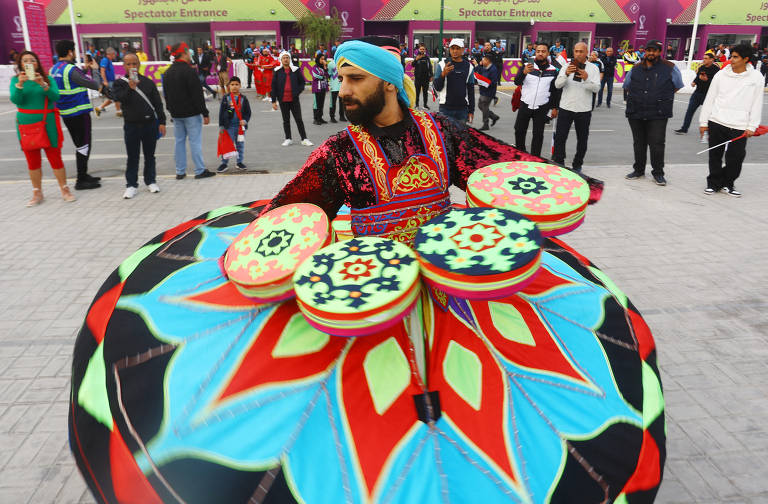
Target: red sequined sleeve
(317, 182)
(470, 149)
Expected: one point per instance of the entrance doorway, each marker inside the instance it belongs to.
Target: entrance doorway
(192, 39)
(510, 41)
(567, 39)
(431, 41)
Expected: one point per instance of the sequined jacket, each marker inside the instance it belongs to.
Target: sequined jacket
(335, 173)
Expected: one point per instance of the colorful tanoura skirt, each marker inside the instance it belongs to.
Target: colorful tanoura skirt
(184, 390)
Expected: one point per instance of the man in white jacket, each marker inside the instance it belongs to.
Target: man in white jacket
(733, 107)
(578, 80)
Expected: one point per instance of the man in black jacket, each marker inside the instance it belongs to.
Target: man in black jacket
(651, 86)
(184, 100)
(202, 60)
(609, 70)
(287, 85)
(422, 74)
(144, 123)
(704, 75)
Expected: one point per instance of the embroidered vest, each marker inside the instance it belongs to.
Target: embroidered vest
(408, 194)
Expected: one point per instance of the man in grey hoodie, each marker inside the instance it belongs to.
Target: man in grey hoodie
(732, 108)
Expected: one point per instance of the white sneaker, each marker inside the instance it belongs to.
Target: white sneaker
(306, 142)
(267, 98)
(287, 142)
(130, 192)
(153, 188)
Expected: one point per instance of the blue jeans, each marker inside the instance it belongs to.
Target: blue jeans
(607, 81)
(191, 127)
(240, 146)
(140, 136)
(697, 99)
(458, 115)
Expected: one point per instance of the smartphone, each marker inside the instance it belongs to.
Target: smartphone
(580, 66)
(133, 74)
(29, 69)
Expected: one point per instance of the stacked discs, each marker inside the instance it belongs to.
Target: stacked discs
(261, 261)
(342, 224)
(554, 198)
(479, 253)
(358, 286)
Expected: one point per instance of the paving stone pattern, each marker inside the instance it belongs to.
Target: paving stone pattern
(693, 264)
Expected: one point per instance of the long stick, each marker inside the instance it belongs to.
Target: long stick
(691, 49)
(715, 147)
(75, 37)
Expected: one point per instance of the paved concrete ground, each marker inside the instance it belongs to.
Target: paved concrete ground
(693, 264)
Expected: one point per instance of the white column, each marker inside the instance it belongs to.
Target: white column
(691, 50)
(75, 38)
(24, 29)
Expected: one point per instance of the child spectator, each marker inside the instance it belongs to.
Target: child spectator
(234, 114)
(319, 87)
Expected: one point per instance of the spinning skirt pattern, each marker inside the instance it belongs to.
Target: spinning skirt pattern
(184, 390)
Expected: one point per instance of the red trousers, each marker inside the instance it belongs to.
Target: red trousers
(35, 161)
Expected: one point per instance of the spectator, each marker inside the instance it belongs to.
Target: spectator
(287, 85)
(630, 56)
(403, 54)
(579, 80)
(595, 60)
(733, 107)
(538, 95)
(75, 109)
(422, 75)
(609, 72)
(477, 53)
(202, 60)
(184, 100)
(13, 57)
(144, 124)
(319, 88)
(556, 49)
(234, 114)
(267, 64)
(705, 73)
(486, 75)
(221, 66)
(764, 70)
(456, 84)
(92, 69)
(529, 53)
(108, 78)
(140, 54)
(295, 56)
(36, 100)
(651, 88)
(249, 55)
(321, 50)
(334, 47)
(334, 84)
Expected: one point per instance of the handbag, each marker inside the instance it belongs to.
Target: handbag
(34, 136)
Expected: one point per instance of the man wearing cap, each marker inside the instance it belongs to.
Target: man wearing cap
(455, 84)
(651, 86)
(184, 100)
(389, 137)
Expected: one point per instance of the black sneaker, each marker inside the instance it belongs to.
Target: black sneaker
(681, 132)
(660, 180)
(86, 184)
(485, 128)
(91, 178)
(241, 166)
(494, 120)
(222, 168)
(205, 174)
(495, 100)
(633, 175)
(426, 107)
(333, 120)
(180, 176)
